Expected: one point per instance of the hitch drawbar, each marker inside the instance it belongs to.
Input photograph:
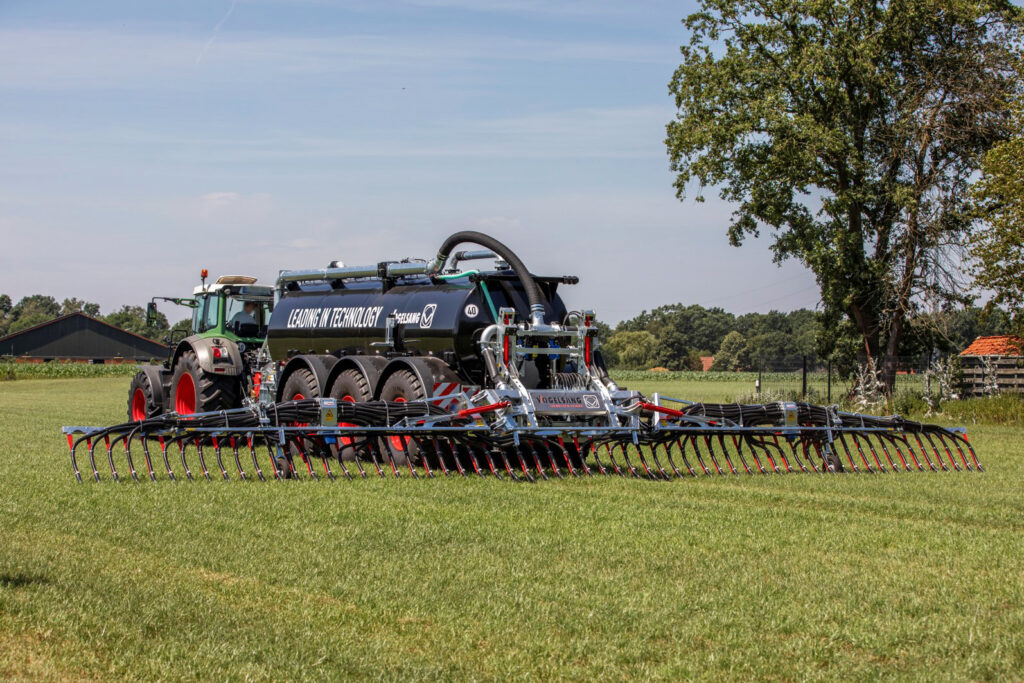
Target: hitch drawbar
(298, 439)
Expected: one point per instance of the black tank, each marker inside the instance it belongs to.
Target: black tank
(441, 318)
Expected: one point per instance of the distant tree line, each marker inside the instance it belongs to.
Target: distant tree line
(39, 308)
(675, 337)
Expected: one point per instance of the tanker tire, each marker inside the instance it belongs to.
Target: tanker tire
(144, 400)
(302, 383)
(209, 392)
(403, 385)
(299, 385)
(350, 386)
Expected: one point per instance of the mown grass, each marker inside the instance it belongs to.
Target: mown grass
(915, 576)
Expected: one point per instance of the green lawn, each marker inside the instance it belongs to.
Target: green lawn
(913, 575)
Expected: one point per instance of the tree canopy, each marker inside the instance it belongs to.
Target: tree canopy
(133, 319)
(31, 311)
(998, 249)
(852, 130)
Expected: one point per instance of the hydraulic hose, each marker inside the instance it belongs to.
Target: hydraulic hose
(533, 294)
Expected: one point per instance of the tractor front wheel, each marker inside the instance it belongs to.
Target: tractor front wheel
(144, 399)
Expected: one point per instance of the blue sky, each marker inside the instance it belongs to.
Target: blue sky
(143, 141)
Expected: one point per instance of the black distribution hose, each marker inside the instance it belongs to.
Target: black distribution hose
(533, 293)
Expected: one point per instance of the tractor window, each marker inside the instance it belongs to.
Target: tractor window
(247, 312)
(207, 313)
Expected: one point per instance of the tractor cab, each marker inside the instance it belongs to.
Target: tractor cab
(234, 307)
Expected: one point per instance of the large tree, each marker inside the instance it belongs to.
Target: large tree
(133, 319)
(75, 305)
(851, 129)
(31, 311)
(998, 249)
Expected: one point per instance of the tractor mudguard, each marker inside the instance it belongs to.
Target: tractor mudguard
(229, 363)
(159, 379)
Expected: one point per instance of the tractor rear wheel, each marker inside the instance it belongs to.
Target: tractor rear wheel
(402, 386)
(195, 391)
(144, 399)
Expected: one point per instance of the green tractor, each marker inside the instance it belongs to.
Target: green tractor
(211, 368)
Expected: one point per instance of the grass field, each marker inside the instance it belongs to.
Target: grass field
(916, 576)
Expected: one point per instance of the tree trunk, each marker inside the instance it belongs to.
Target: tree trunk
(889, 361)
(866, 320)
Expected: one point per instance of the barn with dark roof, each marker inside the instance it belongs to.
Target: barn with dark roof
(79, 337)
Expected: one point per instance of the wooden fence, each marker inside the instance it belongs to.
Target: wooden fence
(1008, 370)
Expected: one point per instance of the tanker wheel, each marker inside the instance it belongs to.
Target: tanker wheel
(195, 391)
(350, 387)
(144, 400)
(400, 387)
(300, 385)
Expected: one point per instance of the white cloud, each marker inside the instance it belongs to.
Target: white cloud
(231, 208)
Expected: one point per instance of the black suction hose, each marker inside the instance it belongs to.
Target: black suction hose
(533, 294)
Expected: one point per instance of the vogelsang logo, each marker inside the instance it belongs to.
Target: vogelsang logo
(427, 317)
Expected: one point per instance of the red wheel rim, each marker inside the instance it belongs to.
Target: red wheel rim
(185, 395)
(399, 442)
(139, 405)
(298, 397)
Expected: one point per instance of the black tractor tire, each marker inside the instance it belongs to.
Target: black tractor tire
(144, 399)
(350, 386)
(402, 386)
(196, 391)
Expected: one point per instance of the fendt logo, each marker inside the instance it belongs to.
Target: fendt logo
(427, 317)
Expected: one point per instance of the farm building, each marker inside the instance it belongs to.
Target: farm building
(79, 337)
(993, 364)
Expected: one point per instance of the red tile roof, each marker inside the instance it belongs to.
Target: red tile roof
(1002, 345)
(706, 362)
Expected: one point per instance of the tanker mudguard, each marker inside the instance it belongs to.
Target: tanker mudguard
(319, 365)
(429, 371)
(369, 366)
